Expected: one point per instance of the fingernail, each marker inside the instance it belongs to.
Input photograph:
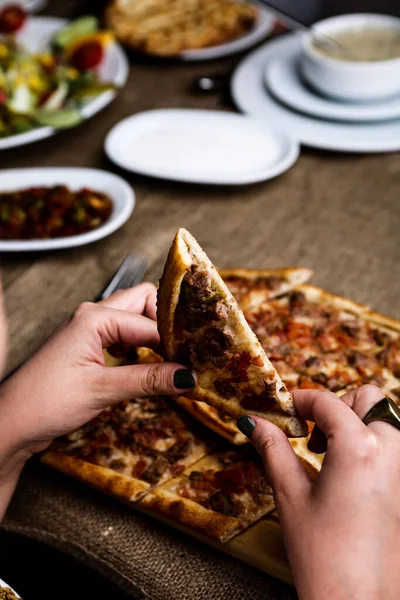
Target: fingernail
(317, 441)
(184, 379)
(246, 425)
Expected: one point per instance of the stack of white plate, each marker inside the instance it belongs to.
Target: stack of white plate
(268, 85)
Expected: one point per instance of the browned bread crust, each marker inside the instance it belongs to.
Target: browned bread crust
(168, 27)
(103, 479)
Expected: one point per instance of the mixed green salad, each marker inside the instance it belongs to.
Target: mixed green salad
(49, 88)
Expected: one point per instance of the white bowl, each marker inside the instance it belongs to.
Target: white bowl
(346, 80)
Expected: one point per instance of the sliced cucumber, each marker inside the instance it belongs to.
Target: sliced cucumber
(59, 119)
(79, 27)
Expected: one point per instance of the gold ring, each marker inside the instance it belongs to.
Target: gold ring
(384, 410)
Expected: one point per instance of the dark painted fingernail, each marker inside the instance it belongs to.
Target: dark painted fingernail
(184, 379)
(317, 441)
(246, 425)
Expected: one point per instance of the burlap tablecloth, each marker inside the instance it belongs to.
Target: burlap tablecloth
(335, 213)
(145, 558)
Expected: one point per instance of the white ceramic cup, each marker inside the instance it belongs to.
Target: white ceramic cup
(345, 80)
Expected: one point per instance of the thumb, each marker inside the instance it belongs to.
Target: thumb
(285, 472)
(114, 384)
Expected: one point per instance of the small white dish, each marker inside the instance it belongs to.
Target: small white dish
(346, 80)
(115, 187)
(5, 585)
(252, 97)
(200, 146)
(283, 79)
(263, 27)
(35, 36)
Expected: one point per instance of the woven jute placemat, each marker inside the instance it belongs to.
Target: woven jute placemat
(145, 558)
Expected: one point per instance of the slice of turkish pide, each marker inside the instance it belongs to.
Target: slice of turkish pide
(303, 318)
(220, 496)
(202, 326)
(387, 335)
(130, 447)
(328, 339)
(254, 286)
(322, 337)
(382, 378)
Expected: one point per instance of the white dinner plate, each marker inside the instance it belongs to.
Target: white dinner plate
(36, 36)
(252, 97)
(4, 584)
(29, 5)
(34, 5)
(263, 27)
(283, 79)
(200, 146)
(121, 194)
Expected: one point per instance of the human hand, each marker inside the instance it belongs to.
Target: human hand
(342, 531)
(3, 334)
(66, 383)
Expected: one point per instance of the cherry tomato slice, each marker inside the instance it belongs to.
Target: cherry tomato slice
(87, 56)
(12, 17)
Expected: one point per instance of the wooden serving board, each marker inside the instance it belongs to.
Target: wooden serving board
(260, 546)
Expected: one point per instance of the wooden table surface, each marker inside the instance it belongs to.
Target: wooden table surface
(336, 213)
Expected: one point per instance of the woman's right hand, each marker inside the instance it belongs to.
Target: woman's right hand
(342, 533)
